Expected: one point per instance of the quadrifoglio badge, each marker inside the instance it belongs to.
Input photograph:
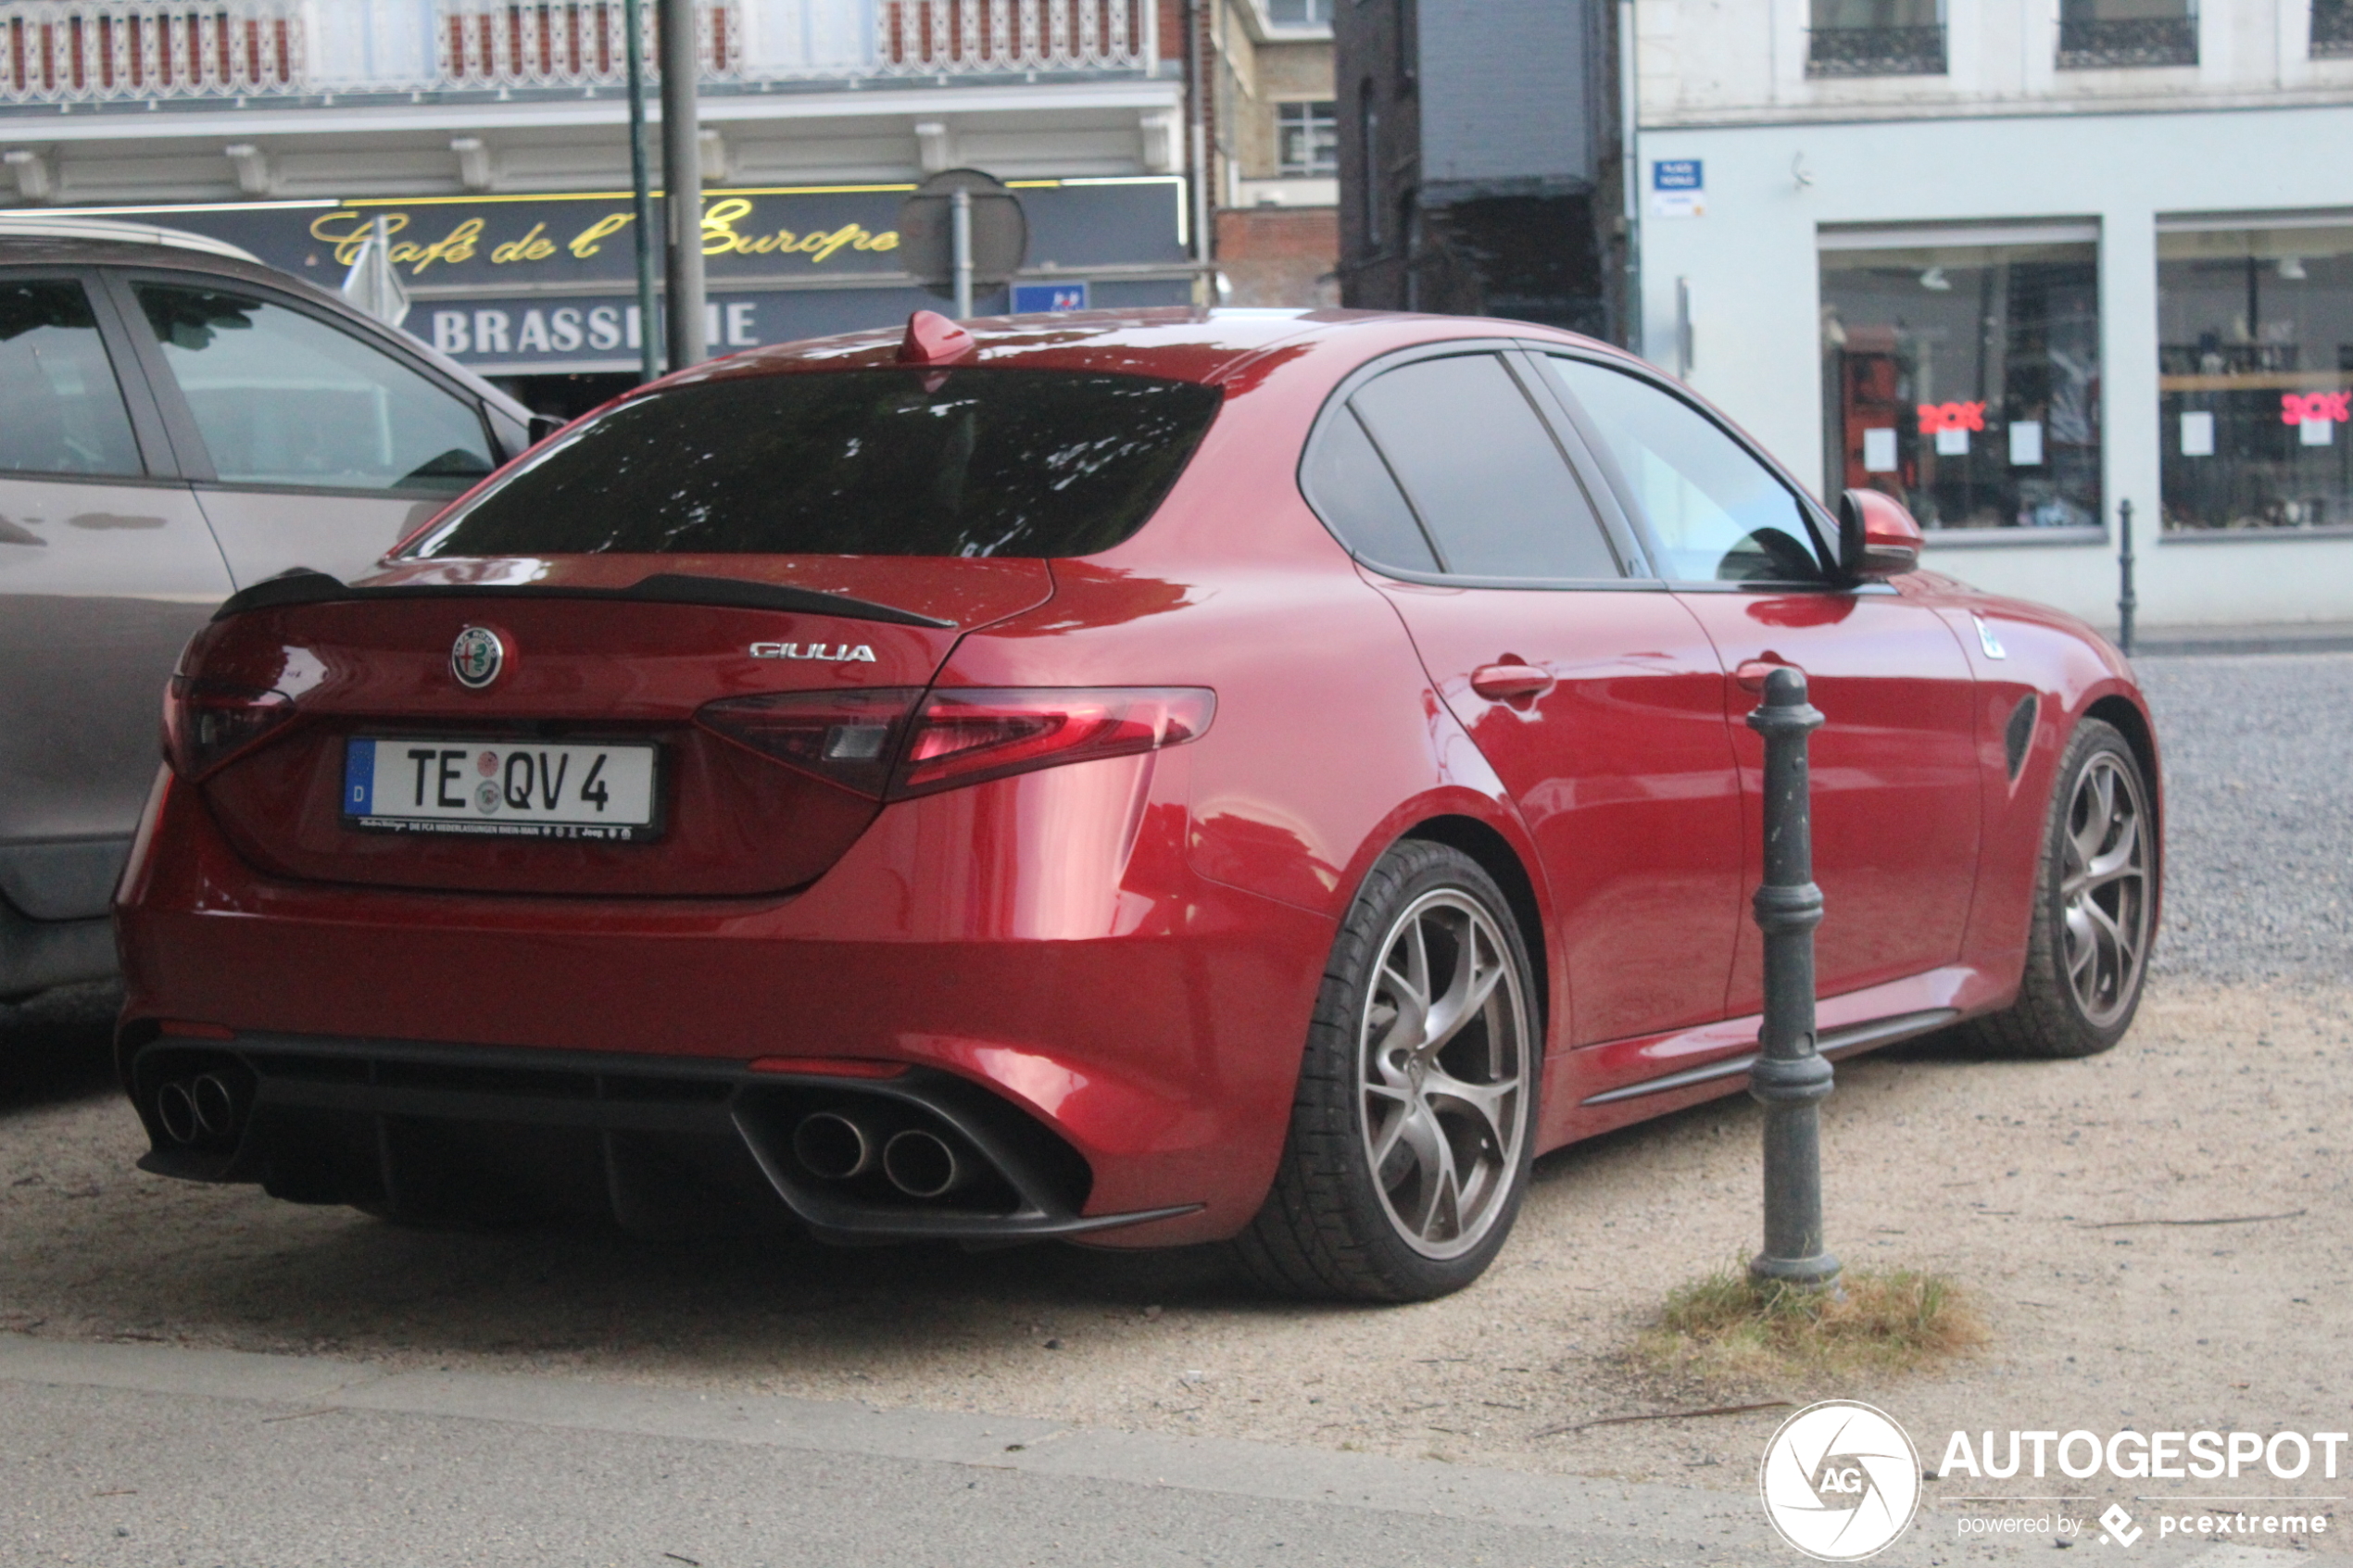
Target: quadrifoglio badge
(1841, 1481)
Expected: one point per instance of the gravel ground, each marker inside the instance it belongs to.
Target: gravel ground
(2259, 751)
(2057, 1192)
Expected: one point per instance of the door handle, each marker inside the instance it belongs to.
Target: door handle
(1509, 681)
(1751, 674)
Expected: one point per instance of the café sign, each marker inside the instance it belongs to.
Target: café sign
(519, 283)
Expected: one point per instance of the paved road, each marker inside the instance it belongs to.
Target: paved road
(2258, 753)
(140, 1455)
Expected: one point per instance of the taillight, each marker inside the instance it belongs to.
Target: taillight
(964, 736)
(206, 722)
(847, 738)
(880, 743)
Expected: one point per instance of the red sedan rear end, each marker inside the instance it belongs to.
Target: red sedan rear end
(938, 785)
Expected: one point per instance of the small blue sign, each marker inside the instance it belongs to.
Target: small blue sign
(1040, 298)
(1677, 174)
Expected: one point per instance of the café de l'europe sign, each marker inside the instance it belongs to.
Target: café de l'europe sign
(502, 242)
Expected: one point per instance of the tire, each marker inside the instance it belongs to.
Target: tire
(1436, 1100)
(2084, 975)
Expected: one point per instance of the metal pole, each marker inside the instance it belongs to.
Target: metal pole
(2126, 603)
(1630, 108)
(641, 192)
(960, 234)
(1790, 1078)
(1197, 135)
(682, 181)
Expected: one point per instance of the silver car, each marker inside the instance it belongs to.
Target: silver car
(177, 421)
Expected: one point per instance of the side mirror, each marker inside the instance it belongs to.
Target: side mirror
(1877, 538)
(545, 425)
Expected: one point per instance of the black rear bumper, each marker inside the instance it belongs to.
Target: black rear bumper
(431, 1131)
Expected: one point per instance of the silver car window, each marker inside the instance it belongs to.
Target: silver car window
(283, 398)
(60, 408)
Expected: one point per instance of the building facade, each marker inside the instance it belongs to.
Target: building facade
(1478, 152)
(2022, 265)
(491, 137)
(1276, 151)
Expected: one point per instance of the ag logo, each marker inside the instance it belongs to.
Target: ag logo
(1841, 1481)
(476, 657)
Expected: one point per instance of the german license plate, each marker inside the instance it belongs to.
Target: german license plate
(499, 789)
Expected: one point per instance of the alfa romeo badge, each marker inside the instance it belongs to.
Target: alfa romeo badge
(477, 657)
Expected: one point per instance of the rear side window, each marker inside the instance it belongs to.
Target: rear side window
(1480, 467)
(888, 462)
(1352, 488)
(60, 410)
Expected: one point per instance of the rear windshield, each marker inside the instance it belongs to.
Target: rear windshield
(889, 462)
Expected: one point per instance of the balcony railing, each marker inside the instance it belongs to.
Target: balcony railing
(2332, 29)
(134, 51)
(500, 43)
(2141, 41)
(929, 37)
(1876, 51)
(66, 53)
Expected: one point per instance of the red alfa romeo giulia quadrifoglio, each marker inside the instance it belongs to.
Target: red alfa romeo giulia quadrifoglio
(1149, 779)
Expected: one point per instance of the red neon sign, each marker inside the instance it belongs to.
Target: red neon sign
(1935, 416)
(2315, 408)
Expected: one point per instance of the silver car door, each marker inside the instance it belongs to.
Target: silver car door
(323, 448)
(106, 568)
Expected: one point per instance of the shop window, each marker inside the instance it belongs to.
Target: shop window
(1876, 38)
(1964, 380)
(2255, 376)
(2103, 34)
(1307, 138)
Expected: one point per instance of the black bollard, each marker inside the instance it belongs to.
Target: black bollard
(1790, 1077)
(2126, 601)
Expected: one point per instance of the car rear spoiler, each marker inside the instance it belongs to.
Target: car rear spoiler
(303, 586)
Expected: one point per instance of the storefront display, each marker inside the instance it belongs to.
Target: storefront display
(1963, 379)
(2256, 374)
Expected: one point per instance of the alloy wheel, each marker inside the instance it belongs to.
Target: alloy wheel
(2104, 888)
(1443, 1048)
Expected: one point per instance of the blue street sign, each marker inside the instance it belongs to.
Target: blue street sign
(1031, 298)
(1677, 174)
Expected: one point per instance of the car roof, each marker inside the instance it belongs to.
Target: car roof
(50, 226)
(1179, 342)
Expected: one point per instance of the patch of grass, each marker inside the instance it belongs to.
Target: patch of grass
(1726, 1328)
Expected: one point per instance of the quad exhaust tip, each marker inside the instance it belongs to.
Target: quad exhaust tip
(923, 1165)
(198, 1109)
(834, 1147)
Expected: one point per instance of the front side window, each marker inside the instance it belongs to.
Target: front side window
(283, 398)
(60, 408)
(2255, 369)
(1715, 514)
(1964, 381)
(1489, 484)
(1307, 138)
(888, 462)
